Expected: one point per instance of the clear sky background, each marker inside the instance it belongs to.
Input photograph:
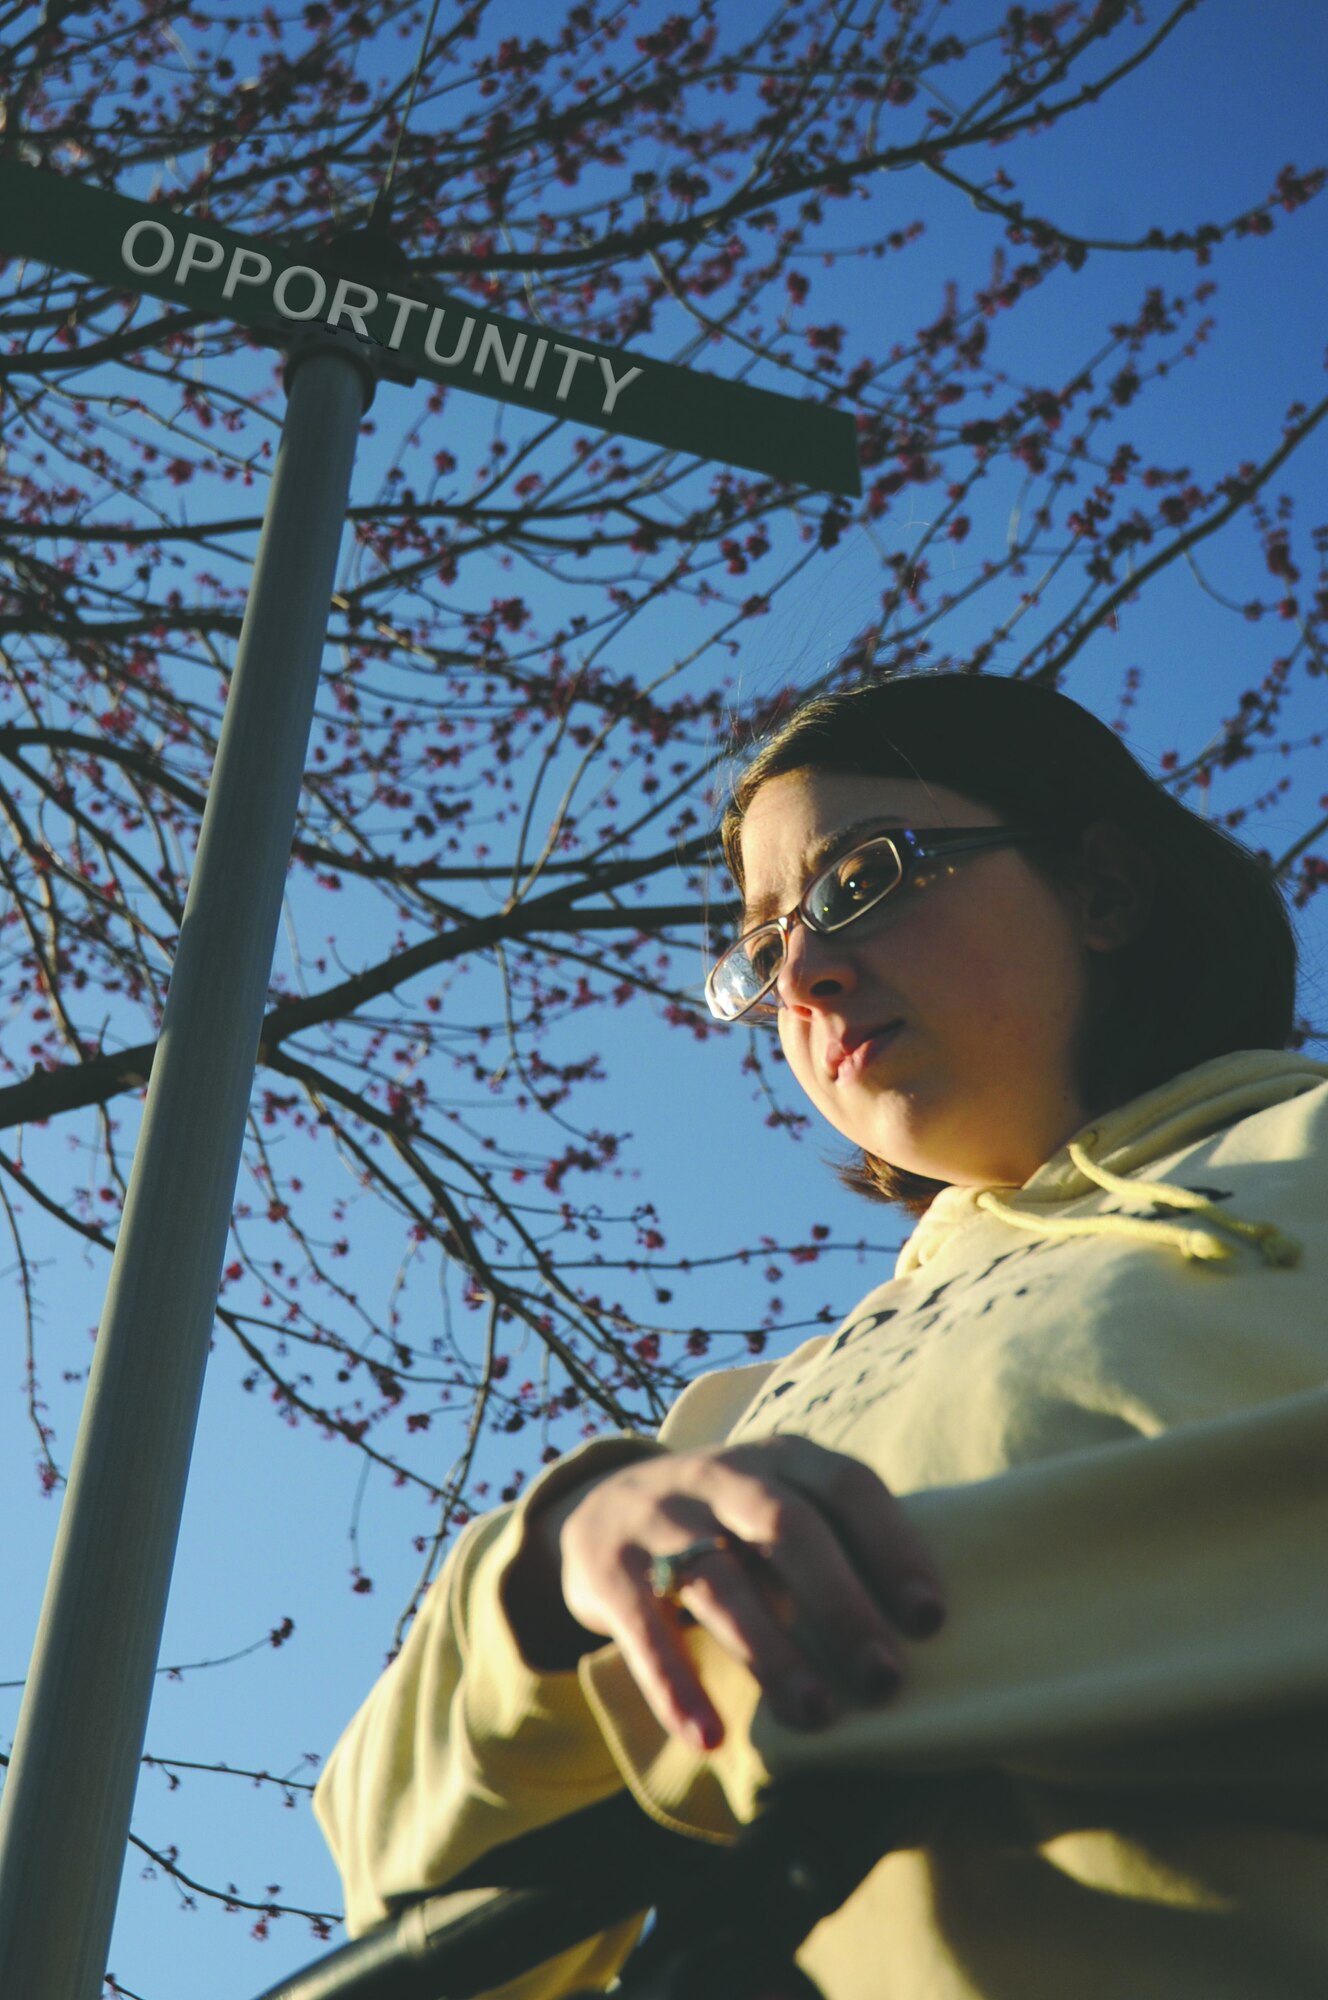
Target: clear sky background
(1200, 132)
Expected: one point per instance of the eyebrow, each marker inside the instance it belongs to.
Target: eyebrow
(817, 857)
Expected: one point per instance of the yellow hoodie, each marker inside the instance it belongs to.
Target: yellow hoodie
(1106, 1396)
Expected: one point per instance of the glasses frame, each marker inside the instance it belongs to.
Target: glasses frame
(912, 848)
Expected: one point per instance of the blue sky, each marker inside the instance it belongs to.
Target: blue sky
(1237, 93)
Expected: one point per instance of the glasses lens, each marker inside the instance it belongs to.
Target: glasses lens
(763, 954)
(854, 884)
(744, 971)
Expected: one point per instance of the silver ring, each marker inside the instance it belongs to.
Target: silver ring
(667, 1574)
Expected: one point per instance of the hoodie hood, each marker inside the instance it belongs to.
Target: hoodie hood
(1111, 1155)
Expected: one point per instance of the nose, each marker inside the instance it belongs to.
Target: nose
(815, 968)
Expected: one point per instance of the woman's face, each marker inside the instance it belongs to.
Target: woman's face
(980, 959)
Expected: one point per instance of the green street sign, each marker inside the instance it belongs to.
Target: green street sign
(142, 247)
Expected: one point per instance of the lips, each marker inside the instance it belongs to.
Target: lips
(855, 1048)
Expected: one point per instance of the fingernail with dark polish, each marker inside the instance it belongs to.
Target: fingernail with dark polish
(923, 1610)
(705, 1734)
(810, 1705)
(880, 1673)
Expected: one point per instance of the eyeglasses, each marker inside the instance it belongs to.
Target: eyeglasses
(850, 888)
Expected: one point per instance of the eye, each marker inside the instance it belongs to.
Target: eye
(854, 884)
(764, 953)
(861, 878)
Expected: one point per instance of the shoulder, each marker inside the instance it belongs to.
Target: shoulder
(709, 1408)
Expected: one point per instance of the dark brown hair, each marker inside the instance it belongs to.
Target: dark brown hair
(1212, 966)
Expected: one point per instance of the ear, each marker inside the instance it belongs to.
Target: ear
(1113, 880)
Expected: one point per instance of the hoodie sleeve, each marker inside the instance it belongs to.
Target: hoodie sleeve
(1143, 1613)
(461, 1745)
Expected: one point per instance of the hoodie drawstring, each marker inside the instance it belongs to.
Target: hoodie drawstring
(1205, 1244)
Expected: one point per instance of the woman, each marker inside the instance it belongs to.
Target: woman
(1050, 1007)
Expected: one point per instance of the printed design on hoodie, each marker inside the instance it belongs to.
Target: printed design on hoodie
(878, 1348)
(859, 1377)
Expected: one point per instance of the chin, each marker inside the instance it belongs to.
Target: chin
(902, 1130)
(909, 1152)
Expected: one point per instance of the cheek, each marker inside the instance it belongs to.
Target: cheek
(1027, 980)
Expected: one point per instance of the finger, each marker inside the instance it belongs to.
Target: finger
(873, 1527)
(835, 1607)
(605, 1588)
(730, 1600)
(649, 1640)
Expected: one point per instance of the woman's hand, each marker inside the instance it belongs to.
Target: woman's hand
(812, 1533)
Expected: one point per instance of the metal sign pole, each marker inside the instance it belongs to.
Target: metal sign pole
(65, 1813)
